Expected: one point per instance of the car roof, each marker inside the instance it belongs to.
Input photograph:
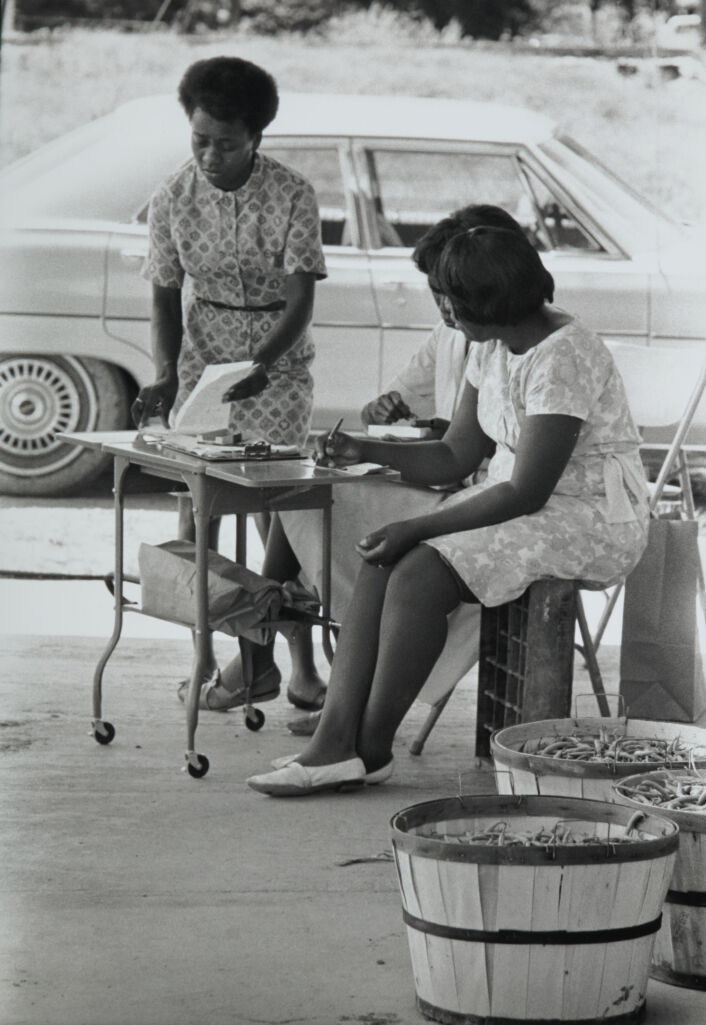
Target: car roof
(401, 117)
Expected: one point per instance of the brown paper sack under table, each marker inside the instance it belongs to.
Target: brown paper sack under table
(241, 602)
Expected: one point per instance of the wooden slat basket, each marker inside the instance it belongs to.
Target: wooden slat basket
(523, 772)
(538, 934)
(679, 955)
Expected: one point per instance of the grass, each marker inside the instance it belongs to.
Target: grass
(652, 132)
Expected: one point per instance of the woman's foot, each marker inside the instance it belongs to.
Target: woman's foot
(372, 779)
(297, 780)
(216, 697)
(306, 689)
(305, 725)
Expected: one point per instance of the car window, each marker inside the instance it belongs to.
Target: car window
(630, 219)
(412, 190)
(321, 167)
(554, 226)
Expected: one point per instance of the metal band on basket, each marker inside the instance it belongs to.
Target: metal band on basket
(693, 898)
(558, 937)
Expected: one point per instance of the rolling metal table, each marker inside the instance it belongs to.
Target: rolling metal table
(216, 488)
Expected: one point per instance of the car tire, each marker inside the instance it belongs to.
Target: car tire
(44, 396)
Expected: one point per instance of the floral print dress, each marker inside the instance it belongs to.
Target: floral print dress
(230, 252)
(593, 528)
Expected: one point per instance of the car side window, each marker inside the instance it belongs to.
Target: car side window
(556, 228)
(412, 190)
(321, 167)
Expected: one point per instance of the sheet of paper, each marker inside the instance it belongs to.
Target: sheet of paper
(204, 409)
(356, 469)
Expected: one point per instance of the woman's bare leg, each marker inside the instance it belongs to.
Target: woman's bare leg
(391, 637)
(420, 596)
(281, 564)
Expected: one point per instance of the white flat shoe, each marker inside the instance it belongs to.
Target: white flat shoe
(283, 761)
(380, 775)
(296, 780)
(372, 779)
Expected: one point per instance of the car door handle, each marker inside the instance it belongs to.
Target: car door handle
(133, 254)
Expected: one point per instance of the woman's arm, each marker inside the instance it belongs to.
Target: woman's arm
(299, 297)
(461, 451)
(544, 448)
(166, 334)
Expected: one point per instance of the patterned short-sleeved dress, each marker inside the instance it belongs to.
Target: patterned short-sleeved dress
(594, 526)
(229, 250)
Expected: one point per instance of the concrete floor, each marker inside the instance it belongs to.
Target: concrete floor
(135, 895)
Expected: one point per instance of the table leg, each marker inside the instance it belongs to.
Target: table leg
(105, 731)
(326, 580)
(197, 765)
(241, 538)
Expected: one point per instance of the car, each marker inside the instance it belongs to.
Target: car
(74, 308)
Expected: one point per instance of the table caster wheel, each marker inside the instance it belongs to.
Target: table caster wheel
(199, 767)
(103, 732)
(254, 719)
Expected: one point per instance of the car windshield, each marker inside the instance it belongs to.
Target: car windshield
(629, 218)
(104, 171)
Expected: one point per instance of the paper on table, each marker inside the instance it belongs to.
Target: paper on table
(358, 469)
(204, 409)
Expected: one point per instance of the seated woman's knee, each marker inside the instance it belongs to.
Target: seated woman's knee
(422, 577)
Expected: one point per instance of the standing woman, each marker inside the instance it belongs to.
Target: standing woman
(234, 254)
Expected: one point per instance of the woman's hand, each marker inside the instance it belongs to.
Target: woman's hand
(255, 382)
(337, 449)
(155, 400)
(386, 546)
(386, 409)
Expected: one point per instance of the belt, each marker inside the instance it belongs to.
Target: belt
(278, 304)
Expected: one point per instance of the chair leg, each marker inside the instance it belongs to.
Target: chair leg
(417, 745)
(589, 654)
(605, 617)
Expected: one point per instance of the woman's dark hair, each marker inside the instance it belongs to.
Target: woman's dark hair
(431, 245)
(230, 89)
(493, 276)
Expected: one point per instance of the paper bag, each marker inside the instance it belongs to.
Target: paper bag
(240, 602)
(663, 642)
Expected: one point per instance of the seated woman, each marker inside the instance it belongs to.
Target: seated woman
(565, 496)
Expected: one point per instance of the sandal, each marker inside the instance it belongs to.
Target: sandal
(308, 706)
(215, 697)
(183, 688)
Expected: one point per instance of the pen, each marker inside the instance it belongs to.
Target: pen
(329, 436)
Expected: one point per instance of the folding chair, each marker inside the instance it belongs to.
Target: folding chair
(664, 388)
